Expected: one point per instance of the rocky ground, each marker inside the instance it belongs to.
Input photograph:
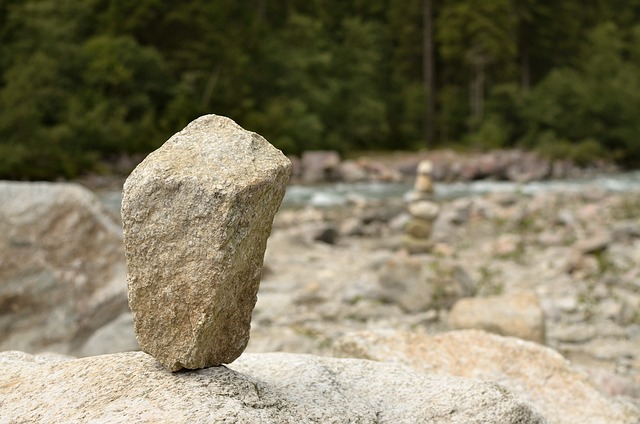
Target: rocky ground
(577, 252)
(559, 268)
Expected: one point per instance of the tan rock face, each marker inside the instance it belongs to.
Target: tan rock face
(534, 373)
(196, 214)
(258, 388)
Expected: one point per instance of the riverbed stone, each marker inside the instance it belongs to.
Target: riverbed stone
(197, 213)
(514, 314)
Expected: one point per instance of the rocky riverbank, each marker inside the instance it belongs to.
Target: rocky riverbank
(575, 255)
(315, 167)
(558, 268)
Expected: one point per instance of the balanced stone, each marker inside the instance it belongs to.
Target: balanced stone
(196, 214)
(424, 209)
(419, 228)
(424, 183)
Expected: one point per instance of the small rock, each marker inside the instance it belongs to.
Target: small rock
(197, 213)
(595, 244)
(327, 234)
(518, 315)
(352, 172)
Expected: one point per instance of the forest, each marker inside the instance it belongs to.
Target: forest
(85, 82)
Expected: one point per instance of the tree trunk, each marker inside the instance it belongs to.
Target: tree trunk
(525, 70)
(428, 71)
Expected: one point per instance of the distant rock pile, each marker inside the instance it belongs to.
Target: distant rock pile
(196, 214)
(423, 211)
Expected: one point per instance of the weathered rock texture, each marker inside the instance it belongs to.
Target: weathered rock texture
(532, 372)
(260, 388)
(61, 266)
(196, 214)
(516, 314)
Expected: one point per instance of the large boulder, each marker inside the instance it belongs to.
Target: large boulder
(61, 266)
(264, 388)
(196, 214)
(532, 372)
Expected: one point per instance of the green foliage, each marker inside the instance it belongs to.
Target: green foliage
(590, 110)
(83, 82)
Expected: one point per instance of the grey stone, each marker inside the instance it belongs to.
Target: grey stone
(61, 266)
(197, 213)
(258, 388)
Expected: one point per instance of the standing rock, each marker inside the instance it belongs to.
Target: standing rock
(61, 266)
(258, 388)
(519, 315)
(197, 213)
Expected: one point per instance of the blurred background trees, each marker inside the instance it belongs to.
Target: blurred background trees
(82, 83)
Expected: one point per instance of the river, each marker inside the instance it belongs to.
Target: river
(339, 194)
(330, 195)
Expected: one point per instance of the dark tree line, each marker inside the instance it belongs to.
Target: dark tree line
(82, 82)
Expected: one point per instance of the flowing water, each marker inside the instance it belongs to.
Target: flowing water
(339, 194)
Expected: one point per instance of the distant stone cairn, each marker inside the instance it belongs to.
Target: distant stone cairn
(423, 211)
(197, 213)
